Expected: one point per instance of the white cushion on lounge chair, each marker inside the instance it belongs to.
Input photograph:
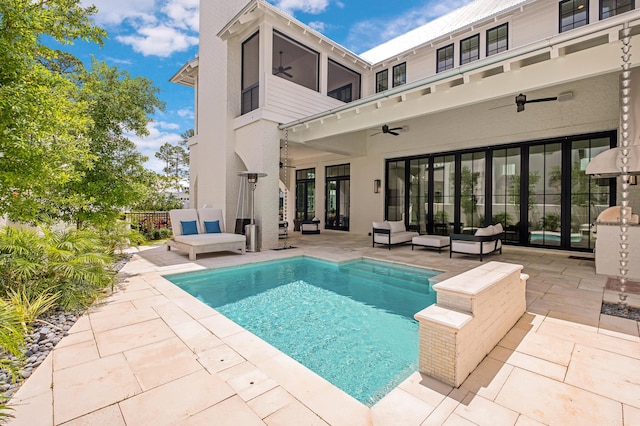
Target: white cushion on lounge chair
(210, 215)
(202, 242)
(183, 215)
(204, 239)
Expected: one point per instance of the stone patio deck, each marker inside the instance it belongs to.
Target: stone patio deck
(152, 354)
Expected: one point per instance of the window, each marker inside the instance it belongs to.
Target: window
(497, 39)
(573, 14)
(400, 74)
(382, 81)
(470, 49)
(250, 74)
(295, 62)
(609, 8)
(342, 83)
(445, 58)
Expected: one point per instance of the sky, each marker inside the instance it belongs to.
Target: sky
(154, 38)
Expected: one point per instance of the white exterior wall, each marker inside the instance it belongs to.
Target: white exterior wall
(217, 106)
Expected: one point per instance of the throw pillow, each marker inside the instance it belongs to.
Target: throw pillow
(485, 232)
(189, 227)
(212, 227)
(498, 229)
(397, 226)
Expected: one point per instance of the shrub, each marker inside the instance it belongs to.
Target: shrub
(72, 264)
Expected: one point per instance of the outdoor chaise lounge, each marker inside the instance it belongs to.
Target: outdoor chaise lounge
(484, 241)
(202, 231)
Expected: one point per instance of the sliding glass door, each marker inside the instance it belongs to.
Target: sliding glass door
(538, 191)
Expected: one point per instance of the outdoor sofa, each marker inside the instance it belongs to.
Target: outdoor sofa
(202, 231)
(485, 241)
(391, 233)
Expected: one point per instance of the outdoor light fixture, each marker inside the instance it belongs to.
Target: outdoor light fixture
(376, 185)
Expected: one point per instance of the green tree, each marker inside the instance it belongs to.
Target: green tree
(176, 163)
(157, 195)
(118, 105)
(185, 138)
(42, 123)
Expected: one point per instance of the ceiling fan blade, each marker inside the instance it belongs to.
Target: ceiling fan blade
(376, 133)
(396, 128)
(555, 98)
(394, 133)
(286, 68)
(287, 74)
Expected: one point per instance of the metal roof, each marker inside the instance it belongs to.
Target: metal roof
(466, 16)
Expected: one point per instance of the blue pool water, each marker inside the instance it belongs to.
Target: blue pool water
(351, 323)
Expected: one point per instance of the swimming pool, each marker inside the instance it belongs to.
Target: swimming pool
(351, 323)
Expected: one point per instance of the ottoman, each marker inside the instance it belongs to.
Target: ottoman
(431, 241)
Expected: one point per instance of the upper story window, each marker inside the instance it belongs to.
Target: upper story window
(400, 74)
(444, 58)
(295, 62)
(382, 81)
(342, 83)
(609, 8)
(497, 39)
(573, 14)
(250, 79)
(470, 49)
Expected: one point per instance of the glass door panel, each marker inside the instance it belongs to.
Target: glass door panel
(332, 204)
(419, 193)
(344, 187)
(395, 190)
(589, 196)
(545, 194)
(506, 192)
(444, 191)
(472, 192)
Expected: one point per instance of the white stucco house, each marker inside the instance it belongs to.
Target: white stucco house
(488, 114)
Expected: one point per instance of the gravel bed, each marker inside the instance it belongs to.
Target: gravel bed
(616, 310)
(46, 333)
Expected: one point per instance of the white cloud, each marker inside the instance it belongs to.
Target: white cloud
(151, 27)
(185, 113)
(119, 60)
(318, 26)
(306, 6)
(367, 34)
(160, 40)
(183, 13)
(158, 135)
(115, 12)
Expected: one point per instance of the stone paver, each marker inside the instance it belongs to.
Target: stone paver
(152, 354)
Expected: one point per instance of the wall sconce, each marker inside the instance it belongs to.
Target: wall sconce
(376, 185)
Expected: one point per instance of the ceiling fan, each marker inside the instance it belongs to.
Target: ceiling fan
(281, 69)
(391, 130)
(521, 100)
